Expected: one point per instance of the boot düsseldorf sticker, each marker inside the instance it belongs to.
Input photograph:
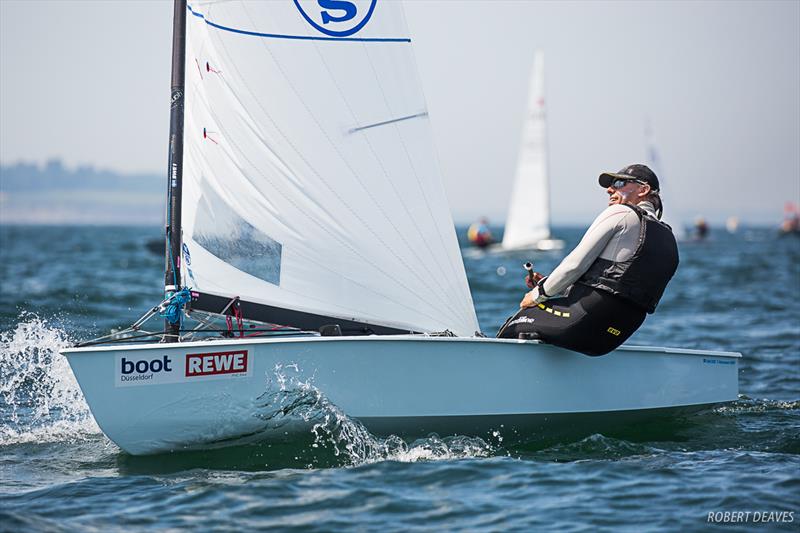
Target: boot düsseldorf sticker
(133, 369)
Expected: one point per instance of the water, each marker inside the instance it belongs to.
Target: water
(58, 472)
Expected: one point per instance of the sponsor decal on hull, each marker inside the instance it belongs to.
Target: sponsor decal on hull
(231, 363)
(718, 361)
(135, 369)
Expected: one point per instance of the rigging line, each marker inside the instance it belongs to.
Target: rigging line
(468, 307)
(297, 37)
(344, 160)
(366, 139)
(385, 122)
(296, 206)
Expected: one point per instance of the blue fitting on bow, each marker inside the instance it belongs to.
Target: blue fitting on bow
(173, 311)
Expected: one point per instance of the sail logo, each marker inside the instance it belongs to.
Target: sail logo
(217, 363)
(337, 18)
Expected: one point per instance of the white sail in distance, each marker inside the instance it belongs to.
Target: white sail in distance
(528, 220)
(655, 164)
(309, 181)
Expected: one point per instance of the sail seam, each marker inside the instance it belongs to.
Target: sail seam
(455, 261)
(296, 37)
(465, 313)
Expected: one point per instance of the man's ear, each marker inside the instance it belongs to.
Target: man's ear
(644, 191)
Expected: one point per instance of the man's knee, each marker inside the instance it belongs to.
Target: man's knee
(516, 325)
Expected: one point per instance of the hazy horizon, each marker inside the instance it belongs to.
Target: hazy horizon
(718, 82)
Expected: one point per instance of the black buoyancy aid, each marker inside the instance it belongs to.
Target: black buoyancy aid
(642, 278)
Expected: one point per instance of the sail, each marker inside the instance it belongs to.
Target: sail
(654, 162)
(310, 183)
(529, 213)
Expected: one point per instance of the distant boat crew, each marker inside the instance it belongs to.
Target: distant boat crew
(700, 228)
(791, 220)
(479, 234)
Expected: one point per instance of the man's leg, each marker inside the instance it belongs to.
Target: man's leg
(545, 321)
(587, 321)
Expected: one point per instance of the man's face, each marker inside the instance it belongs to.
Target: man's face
(630, 192)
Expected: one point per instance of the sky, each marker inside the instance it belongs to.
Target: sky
(719, 83)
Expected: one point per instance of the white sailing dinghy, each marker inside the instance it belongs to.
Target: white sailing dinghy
(303, 191)
(528, 221)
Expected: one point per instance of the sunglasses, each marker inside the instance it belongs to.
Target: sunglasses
(621, 182)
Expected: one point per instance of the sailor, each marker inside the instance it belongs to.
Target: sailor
(700, 228)
(479, 234)
(602, 291)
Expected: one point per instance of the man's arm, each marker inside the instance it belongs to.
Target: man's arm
(581, 258)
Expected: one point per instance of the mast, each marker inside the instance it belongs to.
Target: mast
(172, 274)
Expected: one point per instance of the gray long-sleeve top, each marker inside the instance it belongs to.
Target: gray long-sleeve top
(614, 235)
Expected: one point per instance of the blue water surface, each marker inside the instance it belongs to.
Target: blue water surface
(735, 292)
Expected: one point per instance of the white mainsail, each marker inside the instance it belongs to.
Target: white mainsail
(528, 220)
(309, 179)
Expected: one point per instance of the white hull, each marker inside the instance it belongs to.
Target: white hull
(405, 385)
(542, 245)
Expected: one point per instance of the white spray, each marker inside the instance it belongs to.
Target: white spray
(348, 438)
(40, 401)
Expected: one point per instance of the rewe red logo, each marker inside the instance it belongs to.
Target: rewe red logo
(210, 364)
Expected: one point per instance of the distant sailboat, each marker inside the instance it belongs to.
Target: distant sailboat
(528, 222)
(732, 224)
(654, 162)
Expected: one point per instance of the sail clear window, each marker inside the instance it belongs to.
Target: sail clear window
(223, 232)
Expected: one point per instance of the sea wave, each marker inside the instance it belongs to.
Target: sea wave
(39, 396)
(291, 396)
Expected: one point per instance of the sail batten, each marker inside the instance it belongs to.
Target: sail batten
(389, 121)
(310, 179)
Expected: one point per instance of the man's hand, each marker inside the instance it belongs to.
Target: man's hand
(527, 301)
(536, 278)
